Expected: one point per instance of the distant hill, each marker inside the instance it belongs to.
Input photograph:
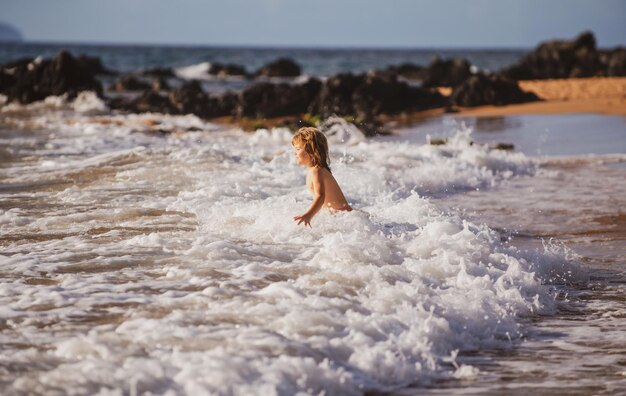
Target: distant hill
(9, 33)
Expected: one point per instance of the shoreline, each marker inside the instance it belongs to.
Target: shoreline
(600, 95)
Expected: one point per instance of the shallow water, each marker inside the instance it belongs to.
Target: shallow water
(135, 260)
(577, 197)
(572, 135)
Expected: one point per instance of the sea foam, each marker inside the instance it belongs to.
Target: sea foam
(176, 266)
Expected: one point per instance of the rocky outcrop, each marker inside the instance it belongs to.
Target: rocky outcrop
(409, 71)
(160, 84)
(129, 82)
(94, 65)
(225, 70)
(225, 105)
(370, 95)
(560, 59)
(282, 67)
(63, 74)
(361, 96)
(7, 80)
(482, 89)
(387, 95)
(446, 72)
(263, 100)
(152, 102)
(190, 98)
(614, 62)
(187, 99)
(335, 96)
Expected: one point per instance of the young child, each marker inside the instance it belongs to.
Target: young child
(312, 152)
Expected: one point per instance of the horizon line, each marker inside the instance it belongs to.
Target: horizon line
(265, 46)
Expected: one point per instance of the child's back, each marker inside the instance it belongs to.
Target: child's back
(333, 196)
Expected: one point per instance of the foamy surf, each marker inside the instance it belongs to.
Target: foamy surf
(201, 71)
(170, 264)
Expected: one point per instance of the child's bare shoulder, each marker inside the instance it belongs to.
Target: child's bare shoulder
(322, 173)
(317, 171)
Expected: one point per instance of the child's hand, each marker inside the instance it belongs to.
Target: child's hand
(306, 219)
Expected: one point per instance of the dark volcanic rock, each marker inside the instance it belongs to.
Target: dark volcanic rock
(559, 59)
(264, 100)
(386, 95)
(226, 105)
(335, 96)
(481, 90)
(187, 99)
(409, 71)
(152, 102)
(224, 70)
(6, 81)
(63, 74)
(282, 67)
(94, 65)
(129, 82)
(368, 95)
(190, 98)
(160, 84)
(614, 62)
(446, 73)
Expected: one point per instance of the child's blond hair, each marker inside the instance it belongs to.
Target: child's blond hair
(315, 144)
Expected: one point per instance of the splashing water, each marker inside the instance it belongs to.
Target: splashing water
(136, 262)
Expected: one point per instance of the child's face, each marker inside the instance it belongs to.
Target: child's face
(302, 157)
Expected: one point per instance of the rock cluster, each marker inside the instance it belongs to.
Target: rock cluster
(569, 59)
(363, 96)
(27, 81)
(282, 67)
(481, 89)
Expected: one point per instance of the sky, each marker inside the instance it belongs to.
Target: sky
(318, 23)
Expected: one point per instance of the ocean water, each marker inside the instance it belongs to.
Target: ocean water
(314, 61)
(138, 262)
(576, 199)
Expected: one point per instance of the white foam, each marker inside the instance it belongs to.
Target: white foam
(185, 248)
(199, 71)
(87, 102)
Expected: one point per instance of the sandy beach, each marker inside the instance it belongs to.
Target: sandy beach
(601, 95)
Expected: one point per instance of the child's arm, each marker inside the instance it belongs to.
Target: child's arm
(318, 199)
